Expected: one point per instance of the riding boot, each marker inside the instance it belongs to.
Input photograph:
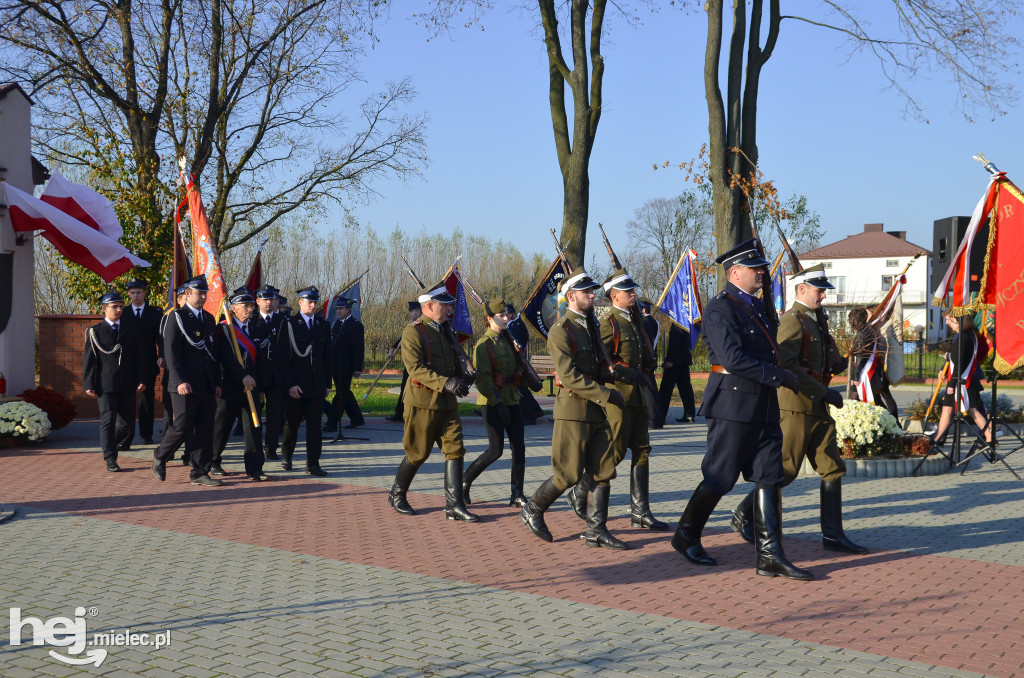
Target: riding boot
(578, 495)
(597, 533)
(532, 514)
(454, 505)
(771, 560)
(743, 518)
(639, 499)
(691, 524)
(518, 475)
(403, 479)
(474, 470)
(832, 536)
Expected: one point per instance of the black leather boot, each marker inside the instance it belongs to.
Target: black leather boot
(597, 533)
(518, 475)
(771, 560)
(403, 479)
(639, 499)
(578, 495)
(743, 518)
(832, 536)
(286, 461)
(454, 505)
(691, 524)
(474, 470)
(532, 514)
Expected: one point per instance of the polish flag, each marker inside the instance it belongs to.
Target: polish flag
(79, 242)
(84, 204)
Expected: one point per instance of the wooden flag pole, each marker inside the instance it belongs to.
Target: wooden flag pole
(238, 356)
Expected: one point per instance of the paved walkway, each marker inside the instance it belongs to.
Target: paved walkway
(307, 576)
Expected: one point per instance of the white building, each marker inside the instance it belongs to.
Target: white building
(863, 267)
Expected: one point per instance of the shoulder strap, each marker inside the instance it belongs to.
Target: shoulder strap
(492, 357)
(426, 340)
(615, 333)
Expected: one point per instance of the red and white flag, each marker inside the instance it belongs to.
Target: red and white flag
(79, 242)
(958, 278)
(204, 256)
(84, 204)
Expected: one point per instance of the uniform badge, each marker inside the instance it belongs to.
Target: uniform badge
(197, 335)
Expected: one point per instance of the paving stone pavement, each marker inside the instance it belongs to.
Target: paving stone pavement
(318, 577)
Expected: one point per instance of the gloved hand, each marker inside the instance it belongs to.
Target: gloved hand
(623, 374)
(503, 413)
(456, 387)
(834, 398)
(615, 398)
(536, 386)
(790, 380)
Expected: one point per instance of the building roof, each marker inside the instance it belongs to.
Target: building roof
(8, 87)
(873, 242)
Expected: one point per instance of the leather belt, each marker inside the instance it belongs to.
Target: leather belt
(719, 369)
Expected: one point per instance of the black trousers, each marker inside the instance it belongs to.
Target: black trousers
(228, 412)
(400, 406)
(146, 401)
(675, 377)
(275, 397)
(168, 405)
(734, 448)
(117, 412)
(496, 432)
(345, 399)
(528, 405)
(295, 411)
(193, 415)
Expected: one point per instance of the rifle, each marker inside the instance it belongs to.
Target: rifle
(605, 365)
(391, 356)
(465, 364)
(533, 379)
(649, 389)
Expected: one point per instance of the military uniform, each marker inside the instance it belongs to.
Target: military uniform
(742, 408)
(582, 439)
(497, 379)
(165, 379)
(145, 320)
(302, 357)
(188, 351)
(432, 408)
(347, 352)
(233, 405)
(112, 370)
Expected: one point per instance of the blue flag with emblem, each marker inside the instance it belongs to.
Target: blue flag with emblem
(460, 314)
(541, 309)
(681, 299)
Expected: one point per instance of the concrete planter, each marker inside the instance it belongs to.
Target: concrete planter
(887, 468)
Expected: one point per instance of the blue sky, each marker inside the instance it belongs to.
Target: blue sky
(827, 129)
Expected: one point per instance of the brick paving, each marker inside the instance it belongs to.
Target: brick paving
(310, 576)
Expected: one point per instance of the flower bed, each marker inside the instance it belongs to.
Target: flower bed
(59, 410)
(23, 421)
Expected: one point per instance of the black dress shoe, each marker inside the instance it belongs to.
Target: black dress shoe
(206, 481)
(218, 471)
(360, 424)
(124, 447)
(270, 456)
(185, 461)
(393, 417)
(113, 467)
(319, 472)
(159, 470)
(286, 464)
(685, 420)
(259, 477)
(148, 441)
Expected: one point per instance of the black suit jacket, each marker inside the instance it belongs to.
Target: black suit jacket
(118, 370)
(270, 331)
(347, 347)
(311, 373)
(189, 351)
(745, 347)
(678, 350)
(232, 372)
(148, 337)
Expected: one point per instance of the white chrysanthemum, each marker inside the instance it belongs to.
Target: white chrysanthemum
(23, 419)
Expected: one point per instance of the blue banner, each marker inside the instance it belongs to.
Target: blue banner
(460, 314)
(681, 301)
(541, 309)
(779, 289)
(353, 293)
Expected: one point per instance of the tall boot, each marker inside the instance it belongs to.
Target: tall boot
(403, 479)
(578, 495)
(691, 524)
(743, 518)
(832, 536)
(454, 504)
(639, 499)
(771, 560)
(474, 470)
(532, 514)
(518, 475)
(597, 533)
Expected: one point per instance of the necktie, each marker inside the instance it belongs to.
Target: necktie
(115, 328)
(138, 313)
(245, 329)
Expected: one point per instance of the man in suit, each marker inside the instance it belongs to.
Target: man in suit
(742, 408)
(676, 375)
(237, 379)
(144, 319)
(269, 316)
(808, 428)
(436, 381)
(186, 455)
(399, 415)
(194, 384)
(582, 439)
(302, 366)
(347, 350)
(112, 374)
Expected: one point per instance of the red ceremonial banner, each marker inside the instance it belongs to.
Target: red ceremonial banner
(1002, 285)
(204, 257)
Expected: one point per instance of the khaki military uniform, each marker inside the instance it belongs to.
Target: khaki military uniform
(431, 413)
(629, 425)
(582, 438)
(807, 427)
(494, 346)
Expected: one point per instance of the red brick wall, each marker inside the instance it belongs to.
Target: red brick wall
(61, 345)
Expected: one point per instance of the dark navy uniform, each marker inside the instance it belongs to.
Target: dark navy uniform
(741, 405)
(676, 376)
(347, 351)
(272, 391)
(145, 320)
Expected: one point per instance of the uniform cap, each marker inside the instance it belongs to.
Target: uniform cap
(579, 281)
(747, 254)
(344, 302)
(619, 280)
(267, 292)
(197, 283)
(814, 276)
(310, 293)
(414, 305)
(242, 296)
(438, 294)
(111, 297)
(136, 285)
(493, 307)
